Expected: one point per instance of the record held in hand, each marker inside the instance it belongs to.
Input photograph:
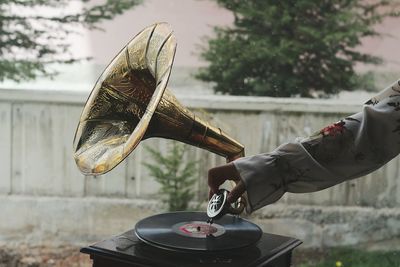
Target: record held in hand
(190, 231)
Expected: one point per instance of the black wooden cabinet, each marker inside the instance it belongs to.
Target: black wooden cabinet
(126, 250)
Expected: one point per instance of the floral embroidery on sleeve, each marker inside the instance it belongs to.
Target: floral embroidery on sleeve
(373, 101)
(290, 172)
(388, 92)
(397, 129)
(396, 105)
(334, 129)
(333, 142)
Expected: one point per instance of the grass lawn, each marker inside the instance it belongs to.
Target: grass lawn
(346, 257)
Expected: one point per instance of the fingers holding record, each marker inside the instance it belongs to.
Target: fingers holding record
(218, 175)
(236, 192)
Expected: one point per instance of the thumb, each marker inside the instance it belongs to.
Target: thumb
(236, 192)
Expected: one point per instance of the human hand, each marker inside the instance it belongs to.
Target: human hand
(218, 175)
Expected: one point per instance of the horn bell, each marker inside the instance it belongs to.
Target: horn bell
(130, 102)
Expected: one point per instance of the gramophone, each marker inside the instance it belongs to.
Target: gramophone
(129, 103)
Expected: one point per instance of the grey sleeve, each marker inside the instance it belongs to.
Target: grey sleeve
(347, 149)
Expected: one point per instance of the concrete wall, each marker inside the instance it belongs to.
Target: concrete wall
(44, 198)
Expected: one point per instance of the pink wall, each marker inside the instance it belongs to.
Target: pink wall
(190, 19)
(387, 47)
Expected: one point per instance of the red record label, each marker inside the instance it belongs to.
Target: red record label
(198, 229)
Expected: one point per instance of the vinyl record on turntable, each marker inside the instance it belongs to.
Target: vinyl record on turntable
(190, 231)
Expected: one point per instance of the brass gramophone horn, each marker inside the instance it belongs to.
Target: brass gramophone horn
(130, 102)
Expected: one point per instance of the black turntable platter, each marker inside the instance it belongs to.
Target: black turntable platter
(190, 231)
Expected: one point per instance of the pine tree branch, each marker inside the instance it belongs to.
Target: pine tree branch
(44, 39)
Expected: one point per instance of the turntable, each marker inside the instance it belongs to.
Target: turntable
(186, 239)
(130, 102)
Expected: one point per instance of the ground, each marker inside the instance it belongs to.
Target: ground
(24, 256)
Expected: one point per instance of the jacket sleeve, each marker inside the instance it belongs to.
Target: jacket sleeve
(347, 149)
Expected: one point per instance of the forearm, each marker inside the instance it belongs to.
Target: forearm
(352, 147)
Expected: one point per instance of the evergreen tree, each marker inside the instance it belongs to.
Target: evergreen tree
(292, 47)
(34, 33)
(175, 175)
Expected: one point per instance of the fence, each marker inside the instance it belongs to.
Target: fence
(38, 172)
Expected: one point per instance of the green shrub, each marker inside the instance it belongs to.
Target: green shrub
(175, 173)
